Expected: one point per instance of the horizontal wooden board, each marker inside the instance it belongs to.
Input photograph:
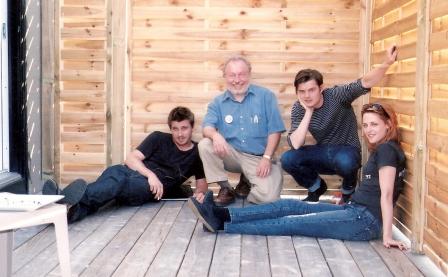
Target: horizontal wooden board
(438, 41)
(436, 208)
(84, 33)
(438, 74)
(287, 56)
(90, 11)
(80, 117)
(314, 11)
(405, 51)
(239, 34)
(387, 6)
(437, 245)
(398, 27)
(438, 8)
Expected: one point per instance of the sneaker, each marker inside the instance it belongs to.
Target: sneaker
(208, 198)
(50, 187)
(74, 192)
(314, 196)
(204, 212)
(225, 196)
(242, 190)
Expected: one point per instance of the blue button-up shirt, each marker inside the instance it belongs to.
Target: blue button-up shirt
(246, 125)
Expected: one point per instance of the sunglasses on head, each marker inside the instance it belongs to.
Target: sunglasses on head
(374, 107)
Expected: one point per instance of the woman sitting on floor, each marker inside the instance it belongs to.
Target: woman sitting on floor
(369, 211)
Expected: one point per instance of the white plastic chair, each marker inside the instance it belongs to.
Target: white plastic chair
(53, 213)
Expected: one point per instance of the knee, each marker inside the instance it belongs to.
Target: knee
(262, 198)
(205, 145)
(115, 168)
(291, 160)
(347, 164)
(286, 159)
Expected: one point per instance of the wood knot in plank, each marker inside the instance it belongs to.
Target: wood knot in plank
(224, 22)
(223, 45)
(349, 4)
(256, 4)
(244, 34)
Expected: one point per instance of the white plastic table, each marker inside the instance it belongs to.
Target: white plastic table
(53, 213)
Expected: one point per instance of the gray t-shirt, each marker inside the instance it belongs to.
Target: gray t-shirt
(368, 192)
(335, 122)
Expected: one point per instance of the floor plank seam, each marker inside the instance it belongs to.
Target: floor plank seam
(164, 239)
(105, 245)
(138, 238)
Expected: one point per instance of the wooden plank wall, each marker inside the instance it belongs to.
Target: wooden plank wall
(435, 233)
(418, 95)
(178, 48)
(171, 52)
(82, 146)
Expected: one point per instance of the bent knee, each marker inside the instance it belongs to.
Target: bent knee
(288, 159)
(259, 196)
(347, 164)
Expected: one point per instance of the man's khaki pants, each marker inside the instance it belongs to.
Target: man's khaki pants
(263, 190)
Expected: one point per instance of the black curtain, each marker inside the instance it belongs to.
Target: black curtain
(17, 90)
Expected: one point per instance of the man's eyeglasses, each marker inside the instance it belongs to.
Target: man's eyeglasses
(374, 107)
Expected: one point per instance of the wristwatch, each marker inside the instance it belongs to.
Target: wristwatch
(267, 157)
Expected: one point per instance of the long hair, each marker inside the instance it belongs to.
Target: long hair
(386, 114)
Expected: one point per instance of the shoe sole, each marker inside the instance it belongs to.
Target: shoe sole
(199, 215)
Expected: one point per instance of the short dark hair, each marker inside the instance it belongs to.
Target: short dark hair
(306, 75)
(180, 114)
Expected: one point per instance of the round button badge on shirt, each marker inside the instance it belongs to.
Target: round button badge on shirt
(228, 119)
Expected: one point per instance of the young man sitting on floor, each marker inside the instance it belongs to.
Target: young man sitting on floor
(156, 169)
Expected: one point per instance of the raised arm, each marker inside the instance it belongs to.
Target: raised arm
(374, 76)
(387, 179)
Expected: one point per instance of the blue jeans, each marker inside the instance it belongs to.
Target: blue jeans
(289, 217)
(117, 182)
(306, 163)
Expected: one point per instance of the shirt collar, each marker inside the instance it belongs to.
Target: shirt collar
(228, 95)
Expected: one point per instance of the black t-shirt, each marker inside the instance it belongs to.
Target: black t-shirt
(171, 165)
(369, 193)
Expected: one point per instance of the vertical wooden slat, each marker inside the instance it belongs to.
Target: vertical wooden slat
(117, 79)
(57, 91)
(421, 125)
(364, 56)
(48, 74)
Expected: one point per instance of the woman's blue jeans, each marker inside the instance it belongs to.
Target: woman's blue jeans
(289, 217)
(306, 163)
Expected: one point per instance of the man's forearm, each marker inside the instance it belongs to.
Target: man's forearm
(135, 163)
(271, 146)
(297, 138)
(209, 132)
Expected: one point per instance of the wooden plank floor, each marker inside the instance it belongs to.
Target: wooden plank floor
(165, 239)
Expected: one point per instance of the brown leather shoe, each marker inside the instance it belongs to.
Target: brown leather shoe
(225, 197)
(243, 188)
